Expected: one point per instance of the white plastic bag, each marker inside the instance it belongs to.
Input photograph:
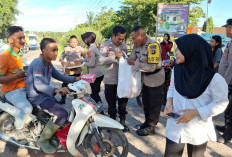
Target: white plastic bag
(129, 81)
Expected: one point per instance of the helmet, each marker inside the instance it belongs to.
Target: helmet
(81, 88)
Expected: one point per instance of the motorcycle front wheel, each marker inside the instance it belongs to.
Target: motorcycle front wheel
(113, 139)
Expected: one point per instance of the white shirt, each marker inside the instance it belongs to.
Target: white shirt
(211, 102)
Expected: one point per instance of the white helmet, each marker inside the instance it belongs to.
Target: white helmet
(81, 87)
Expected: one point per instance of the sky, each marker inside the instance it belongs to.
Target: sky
(58, 15)
(63, 15)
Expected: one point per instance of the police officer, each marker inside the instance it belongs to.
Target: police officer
(153, 79)
(110, 52)
(225, 68)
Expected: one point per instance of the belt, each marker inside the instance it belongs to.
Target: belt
(149, 73)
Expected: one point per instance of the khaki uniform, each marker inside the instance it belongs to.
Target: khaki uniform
(153, 78)
(225, 69)
(139, 53)
(225, 66)
(107, 58)
(92, 61)
(72, 56)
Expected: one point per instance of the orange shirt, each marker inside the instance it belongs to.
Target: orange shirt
(10, 62)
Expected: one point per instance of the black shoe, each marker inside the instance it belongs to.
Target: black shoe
(220, 128)
(141, 126)
(225, 138)
(147, 131)
(126, 129)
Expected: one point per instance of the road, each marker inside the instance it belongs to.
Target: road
(150, 146)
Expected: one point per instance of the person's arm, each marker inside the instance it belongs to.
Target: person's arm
(39, 84)
(146, 67)
(62, 77)
(219, 95)
(83, 52)
(92, 59)
(62, 57)
(218, 56)
(3, 70)
(228, 73)
(170, 94)
(106, 56)
(216, 65)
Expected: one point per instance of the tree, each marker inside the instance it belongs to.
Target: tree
(8, 10)
(194, 14)
(144, 13)
(210, 25)
(90, 18)
(105, 21)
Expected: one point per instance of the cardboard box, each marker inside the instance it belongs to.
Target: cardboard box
(72, 68)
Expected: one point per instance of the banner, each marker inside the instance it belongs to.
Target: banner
(172, 19)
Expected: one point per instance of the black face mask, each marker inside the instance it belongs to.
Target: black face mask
(193, 77)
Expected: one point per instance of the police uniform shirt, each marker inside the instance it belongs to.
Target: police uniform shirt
(107, 58)
(92, 61)
(225, 66)
(139, 54)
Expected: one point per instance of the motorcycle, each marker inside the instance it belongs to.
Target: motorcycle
(97, 133)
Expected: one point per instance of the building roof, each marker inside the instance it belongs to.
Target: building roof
(217, 30)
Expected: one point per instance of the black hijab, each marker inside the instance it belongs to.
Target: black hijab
(193, 77)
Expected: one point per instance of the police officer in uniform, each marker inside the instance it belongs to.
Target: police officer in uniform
(153, 79)
(110, 52)
(225, 68)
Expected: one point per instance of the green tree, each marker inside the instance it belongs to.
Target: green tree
(8, 10)
(90, 18)
(210, 25)
(105, 21)
(143, 12)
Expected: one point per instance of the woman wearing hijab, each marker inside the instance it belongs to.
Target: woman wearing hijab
(195, 95)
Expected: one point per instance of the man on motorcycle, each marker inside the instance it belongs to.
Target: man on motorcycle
(12, 76)
(40, 93)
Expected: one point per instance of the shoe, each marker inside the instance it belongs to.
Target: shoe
(225, 138)
(123, 122)
(220, 128)
(146, 131)
(141, 126)
(46, 135)
(126, 129)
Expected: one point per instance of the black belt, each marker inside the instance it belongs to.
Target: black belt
(149, 73)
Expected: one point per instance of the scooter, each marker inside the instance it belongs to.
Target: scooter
(97, 133)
